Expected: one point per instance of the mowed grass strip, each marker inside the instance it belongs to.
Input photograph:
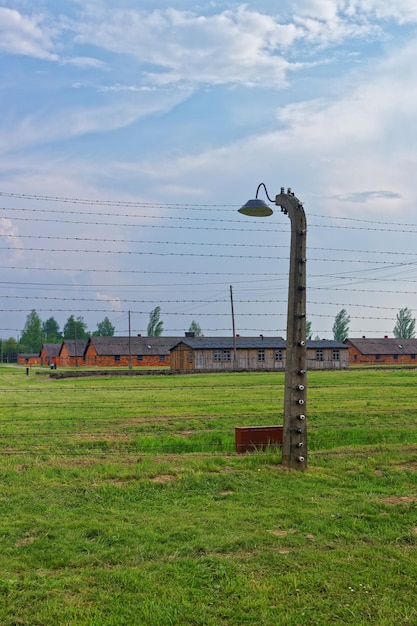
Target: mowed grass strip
(114, 534)
(197, 413)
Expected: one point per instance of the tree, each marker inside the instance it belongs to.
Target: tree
(104, 329)
(308, 329)
(50, 331)
(31, 338)
(9, 350)
(341, 326)
(155, 326)
(405, 326)
(75, 328)
(196, 329)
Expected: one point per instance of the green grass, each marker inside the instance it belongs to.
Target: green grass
(122, 502)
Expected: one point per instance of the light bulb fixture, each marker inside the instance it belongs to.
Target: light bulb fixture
(257, 207)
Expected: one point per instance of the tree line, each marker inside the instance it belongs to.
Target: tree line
(37, 332)
(404, 327)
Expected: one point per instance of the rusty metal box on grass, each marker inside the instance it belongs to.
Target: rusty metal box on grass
(252, 438)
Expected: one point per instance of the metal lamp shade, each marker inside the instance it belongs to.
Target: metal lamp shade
(256, 208)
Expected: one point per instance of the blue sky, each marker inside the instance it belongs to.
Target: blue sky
(193, 104)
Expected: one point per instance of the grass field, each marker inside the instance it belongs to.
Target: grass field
(123, 502)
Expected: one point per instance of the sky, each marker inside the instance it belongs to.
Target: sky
(132, 131)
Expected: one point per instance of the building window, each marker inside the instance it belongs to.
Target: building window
(413, 356)
(319, 355)
(355, 357)
(261, 355)
(395, 357)
(190, 356)
(162, 357)
(217, 356)
(226, 355)
(140, 357)
(278, 355)
(336, 354)
(222, 355)
(377, 357)
(117, 358)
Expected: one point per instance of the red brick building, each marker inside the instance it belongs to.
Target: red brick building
(50, 353)
(119, 351)
(385, 351)
(71, 352)
(31, 358)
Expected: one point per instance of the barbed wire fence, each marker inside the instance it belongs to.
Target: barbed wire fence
(63, 256)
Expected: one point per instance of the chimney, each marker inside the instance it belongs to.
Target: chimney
(385, 336)
(139, 335)
(189, 333)
(363, 337)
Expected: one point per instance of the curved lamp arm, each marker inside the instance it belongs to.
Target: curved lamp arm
(266, 192)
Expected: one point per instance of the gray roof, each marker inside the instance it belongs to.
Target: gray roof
(387, 345)
(75, 347)
(325, 343)
(111, 346)
(225, 343)
(51, 349)
(242, 343)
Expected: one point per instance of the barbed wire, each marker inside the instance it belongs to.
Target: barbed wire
(182, 205)
(317, 282)
(402, 227)
(211, 244)
(209, 301)
(193, 243)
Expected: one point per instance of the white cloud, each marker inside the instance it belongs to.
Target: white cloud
(87, 63)
(235, 46)
(334, 30)
(338, 150)
(25, 35)
(117, 112)
(8, 230)
(325, 10)
(117, 87)
(115, 302)
(241, 46)
(403, 11)
(362, 197)
(9, 234)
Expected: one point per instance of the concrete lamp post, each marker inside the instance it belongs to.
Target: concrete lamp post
(294, 443)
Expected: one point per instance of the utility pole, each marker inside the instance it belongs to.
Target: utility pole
(294, 448)
(233, 329)
(75, 344)
(130, 346)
